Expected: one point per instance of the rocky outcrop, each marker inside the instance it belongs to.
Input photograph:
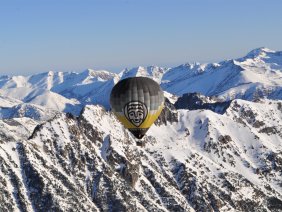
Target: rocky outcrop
(195, 101)
(168, 115)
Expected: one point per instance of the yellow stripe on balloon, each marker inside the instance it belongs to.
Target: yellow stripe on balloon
(150, 119)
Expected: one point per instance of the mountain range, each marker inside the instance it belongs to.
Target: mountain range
(217, 146)
(256, 75)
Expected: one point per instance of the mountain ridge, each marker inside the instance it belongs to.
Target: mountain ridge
(201, 161)
(62, 149)
(256, 75)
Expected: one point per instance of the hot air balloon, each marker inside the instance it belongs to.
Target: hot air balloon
(137, 102)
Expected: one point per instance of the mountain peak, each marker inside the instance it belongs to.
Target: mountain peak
(153, 72)
(100, 74)
(259, 52)
(50, 73)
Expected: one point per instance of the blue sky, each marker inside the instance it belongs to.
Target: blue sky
(73, 35)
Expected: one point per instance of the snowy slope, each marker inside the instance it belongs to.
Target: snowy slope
(60, 91)
(63, 91)
(8, 102)
(77, 85)
(54, 101)
(21, 87)
(41, 108)
(201, 161)
(153, 72)
(16, 129)
(32, 111)
(258, 74)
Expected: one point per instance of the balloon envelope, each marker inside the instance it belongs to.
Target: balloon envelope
(137, 102)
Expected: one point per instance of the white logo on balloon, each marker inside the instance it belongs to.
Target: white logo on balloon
(135, 112)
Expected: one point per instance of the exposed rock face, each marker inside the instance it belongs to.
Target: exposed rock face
(168, 115)
(192, 161)
(195, 101)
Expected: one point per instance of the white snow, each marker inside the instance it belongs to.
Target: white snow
(210, 145)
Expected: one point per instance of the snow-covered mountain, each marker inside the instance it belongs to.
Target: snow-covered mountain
(32, 111)
(16, 129)
(217, 145)
(153, 72)
(256, 75)
(51, 100)
(65, 92)
(8, 102)
(200, 161)
(259, 74)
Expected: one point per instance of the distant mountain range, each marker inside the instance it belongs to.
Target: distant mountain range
(217, 146)
(257, 75)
